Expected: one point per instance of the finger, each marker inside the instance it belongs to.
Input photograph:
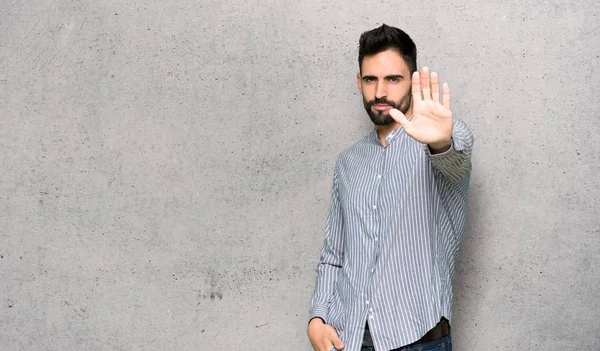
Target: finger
(435, 87)
(425, 83)
(399, 117)
(335, 339)
(337, 343)
(416, 87)
(446, 96)
(326, 346)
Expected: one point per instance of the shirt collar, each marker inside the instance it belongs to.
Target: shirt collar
(393, 135)
(390, 137)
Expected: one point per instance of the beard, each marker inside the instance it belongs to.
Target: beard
(383, 118)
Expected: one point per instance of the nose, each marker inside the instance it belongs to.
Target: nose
(381, 90)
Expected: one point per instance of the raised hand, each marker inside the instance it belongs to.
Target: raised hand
(432, 120)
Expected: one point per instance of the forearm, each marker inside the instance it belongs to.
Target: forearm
(331, 258)
(453, 160)
(327, 273)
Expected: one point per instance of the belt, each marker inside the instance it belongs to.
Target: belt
(442, 329)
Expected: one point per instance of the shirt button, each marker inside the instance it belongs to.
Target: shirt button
(374, 207)
(376, 238)
(379, 176)
(372, 270)
(371, 316)
(367, 302)
(371, 310)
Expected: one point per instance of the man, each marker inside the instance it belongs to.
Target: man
(398, 211)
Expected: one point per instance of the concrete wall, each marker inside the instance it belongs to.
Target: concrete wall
(166, 167)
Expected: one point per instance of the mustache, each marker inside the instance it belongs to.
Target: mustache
(381, 102)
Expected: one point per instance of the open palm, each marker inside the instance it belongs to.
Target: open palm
(432, 120)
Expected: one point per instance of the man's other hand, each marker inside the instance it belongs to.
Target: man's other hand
(322, 336)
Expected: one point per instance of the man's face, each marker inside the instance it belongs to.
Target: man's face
(385, 83)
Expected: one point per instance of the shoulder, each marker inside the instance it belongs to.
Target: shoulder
(360, 147)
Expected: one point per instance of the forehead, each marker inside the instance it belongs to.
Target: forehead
(384, 63)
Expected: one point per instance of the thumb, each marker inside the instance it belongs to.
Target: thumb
(337, 343)
(399, 117)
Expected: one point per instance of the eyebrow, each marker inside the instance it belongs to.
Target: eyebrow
(392, 76)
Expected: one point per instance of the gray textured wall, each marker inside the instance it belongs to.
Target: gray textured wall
(166, 167)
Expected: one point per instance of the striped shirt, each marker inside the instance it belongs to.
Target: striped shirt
(392, 236)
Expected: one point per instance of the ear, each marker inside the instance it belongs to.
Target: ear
(359, 82)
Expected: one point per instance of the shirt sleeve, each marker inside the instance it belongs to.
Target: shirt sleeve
(332, 255)
(456, 161)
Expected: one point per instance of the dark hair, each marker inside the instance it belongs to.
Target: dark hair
(383, 38)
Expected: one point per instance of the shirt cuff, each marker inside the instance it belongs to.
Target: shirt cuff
(320, 312)
(451, 151)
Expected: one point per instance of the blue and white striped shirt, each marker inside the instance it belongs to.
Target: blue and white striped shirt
(392, 235)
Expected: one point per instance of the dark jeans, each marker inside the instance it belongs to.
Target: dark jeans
(442, 344)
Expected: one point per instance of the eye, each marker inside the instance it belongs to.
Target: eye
(394, 79)
(369, 79)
